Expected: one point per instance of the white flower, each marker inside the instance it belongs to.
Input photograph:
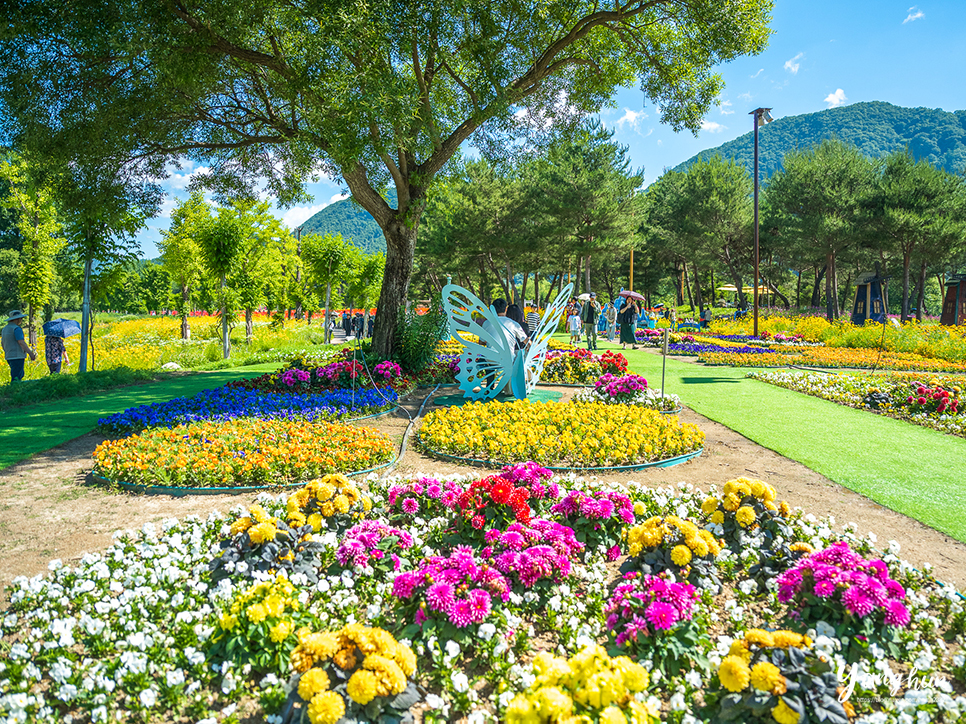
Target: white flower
(460, 682)
(486, 631)
(677, 702)
(747, 587)
(148, 698)
(452, 649)
(693, 679)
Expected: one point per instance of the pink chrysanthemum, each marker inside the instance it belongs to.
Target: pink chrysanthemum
(461, 614)
(661, 615)
(896, 614)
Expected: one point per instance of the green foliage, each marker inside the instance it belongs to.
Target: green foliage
(875, 128)
(417, 336)
(56, 387)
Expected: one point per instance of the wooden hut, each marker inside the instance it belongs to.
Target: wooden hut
(868, 300)
(954, 305)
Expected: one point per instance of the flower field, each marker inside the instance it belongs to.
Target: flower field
(240, 452)
(835, 357)
(556, 433)
(497, 599)
(931, 401)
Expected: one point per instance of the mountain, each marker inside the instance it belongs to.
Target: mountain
(355, 224)
(877, 128)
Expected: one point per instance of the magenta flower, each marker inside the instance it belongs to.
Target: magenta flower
(661, 615)
(896, 614)
(461, 615)
(410, 505)
(439, 597)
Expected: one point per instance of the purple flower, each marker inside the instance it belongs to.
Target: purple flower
(824, 589)
(410, 505)
(661, 615)
(405, 584)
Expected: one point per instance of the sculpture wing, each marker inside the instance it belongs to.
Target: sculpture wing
(537, 354)
(489, 362)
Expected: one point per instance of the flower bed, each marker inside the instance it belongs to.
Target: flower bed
(144, 631)
(628, 390)
(341, 371)
(555, 433)
(933, 402)
(240, 453)
(835, 357)
(580, 366)
(227, 403)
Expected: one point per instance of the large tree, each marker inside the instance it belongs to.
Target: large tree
(181, 253)
(371, 92)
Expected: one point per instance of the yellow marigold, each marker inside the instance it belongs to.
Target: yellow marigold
(275, 605)
(634, 675)
(301, 659)
(351, 492)
(553, 704)
(521, 711)
(362, 686)
(652, 538)
(315, 520)
(800, 548)
(256, 613)
(784, 714)
(740, 648)
(717, 517)
(345, 658)
(785, 509)
(258, 514)
(327, 509)
(644, 712)
(313, 681)
(731, 502)
(758, 489)
(262, 533)
(759, 637)
(322, 645)
(709, 505)
(240, 526)
(324, 491)
(227, 621)
(391, 678)
(681, 555)
(700, 547)
(770, 493)
(743, 488)
(406, 659)
(612, 715)
(366, 503)
(770, 506)
(326, 708)
(341, 504)
(745, 516)
(296, 519)
(784, 639)
(734, 674)
(639, 508)
(281, 631)
(765, 676)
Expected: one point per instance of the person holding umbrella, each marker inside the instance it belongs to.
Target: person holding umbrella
(15, 348)
(54, 349)
(628, 319)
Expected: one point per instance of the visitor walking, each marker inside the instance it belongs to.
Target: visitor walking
(588, 316)
(628, 321)
(573, 326)
(533, 320)
(55, 352)
(15, 348)
(611, 315)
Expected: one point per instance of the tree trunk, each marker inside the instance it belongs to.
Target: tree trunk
(580, 261)
(906, 263)
(523, 290)
(400, 248)
(830, 293)
(248, 326)
(736, 279)
(798, 291)
(921, 297)
(225, 340)
(699, 300)
(536, 289)
(776, 293)
(687, 285)
(816, 299)
(845, 291)
(587, 273)
(85, 313)
(185, 329)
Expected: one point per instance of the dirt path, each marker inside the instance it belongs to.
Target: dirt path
(50, 509)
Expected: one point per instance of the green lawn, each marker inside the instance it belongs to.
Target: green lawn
(908, 468)
(29, 430)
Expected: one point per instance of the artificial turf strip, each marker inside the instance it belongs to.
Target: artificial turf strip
(910, 469)
(26, 431)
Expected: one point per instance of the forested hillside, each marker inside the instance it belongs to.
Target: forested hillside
(353, 222)
(877, 128)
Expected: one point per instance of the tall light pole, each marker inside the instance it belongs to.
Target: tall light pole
(762, 116)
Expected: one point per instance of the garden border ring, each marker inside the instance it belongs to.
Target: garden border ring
(665, 463)
(185, 492)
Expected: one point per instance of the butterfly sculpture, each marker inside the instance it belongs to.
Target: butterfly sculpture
(486, 366)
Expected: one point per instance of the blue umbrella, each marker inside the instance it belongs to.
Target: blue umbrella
(61, 328)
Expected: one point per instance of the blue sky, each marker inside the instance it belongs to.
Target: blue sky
(822, 54)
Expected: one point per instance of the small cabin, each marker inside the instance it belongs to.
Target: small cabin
(954, 304)
(868, 300)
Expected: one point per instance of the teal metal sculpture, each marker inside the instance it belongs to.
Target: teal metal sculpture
(487, 366)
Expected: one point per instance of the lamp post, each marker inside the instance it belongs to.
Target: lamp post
(762, 116)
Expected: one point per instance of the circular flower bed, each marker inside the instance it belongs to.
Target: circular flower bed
(580, 366)
(628, 390)
(555, 433)
(240, 453)
(227, 403)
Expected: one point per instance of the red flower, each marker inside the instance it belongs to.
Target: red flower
(478, 522)
(921, 400)
(501, 491)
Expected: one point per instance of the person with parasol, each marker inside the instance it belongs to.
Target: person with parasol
(54, 348)
(628, 318)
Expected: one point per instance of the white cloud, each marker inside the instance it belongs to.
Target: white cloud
(914, 14)
(712, 127)
(180, 178)
(298, 215)
(760, 70)
(793, 64)
(724, 108)
(745, 96)
(836, 99)
(630, 118)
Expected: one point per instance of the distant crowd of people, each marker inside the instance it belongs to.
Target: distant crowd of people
(358, 325)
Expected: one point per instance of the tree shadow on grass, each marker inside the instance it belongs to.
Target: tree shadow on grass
(706, 380)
